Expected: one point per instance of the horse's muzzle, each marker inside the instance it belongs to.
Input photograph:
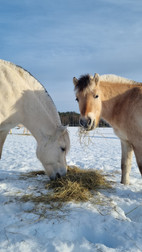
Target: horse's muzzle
(58, 175)
(87, 123)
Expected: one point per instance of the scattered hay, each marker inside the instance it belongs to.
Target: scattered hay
(32, 174)
(83, 135)
(78, 186)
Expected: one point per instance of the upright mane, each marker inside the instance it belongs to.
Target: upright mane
(84, 82)
(116, 79)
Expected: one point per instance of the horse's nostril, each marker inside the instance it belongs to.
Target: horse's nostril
(85, 122)
(58, 175)
(89, 121)
(82, 122)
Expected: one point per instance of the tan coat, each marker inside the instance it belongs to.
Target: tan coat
(119, 102)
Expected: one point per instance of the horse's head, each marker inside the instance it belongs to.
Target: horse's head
(88, 96)
(52, 153)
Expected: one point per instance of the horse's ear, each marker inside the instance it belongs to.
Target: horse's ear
(60, 131)
(96, 78)
(75, 81)
(63, 129)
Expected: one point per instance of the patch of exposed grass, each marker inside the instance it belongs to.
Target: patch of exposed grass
(78, 186)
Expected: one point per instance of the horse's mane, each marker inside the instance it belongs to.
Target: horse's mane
(116, 79)
(83, 82)
(24, 74)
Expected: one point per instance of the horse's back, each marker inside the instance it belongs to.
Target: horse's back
(127, 114)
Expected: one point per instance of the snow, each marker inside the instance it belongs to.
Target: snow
(113, 225)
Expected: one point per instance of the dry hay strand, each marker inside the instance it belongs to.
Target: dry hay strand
(32, 174)
(84, 136)
(78, 182)
(78, 186)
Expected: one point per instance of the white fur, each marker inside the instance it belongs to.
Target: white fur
(24, 100)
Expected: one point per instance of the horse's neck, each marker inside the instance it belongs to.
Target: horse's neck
(38, 118)
(111, 94)
(26, 102)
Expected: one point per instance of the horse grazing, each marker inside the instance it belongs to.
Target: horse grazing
(119, 102)
(25, 101)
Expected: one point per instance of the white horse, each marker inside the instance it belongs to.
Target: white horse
(25, 101)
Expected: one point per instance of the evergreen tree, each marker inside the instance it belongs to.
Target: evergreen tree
(72, 119)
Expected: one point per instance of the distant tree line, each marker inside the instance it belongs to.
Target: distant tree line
(72, 119)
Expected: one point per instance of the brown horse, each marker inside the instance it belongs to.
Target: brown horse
(119, 102)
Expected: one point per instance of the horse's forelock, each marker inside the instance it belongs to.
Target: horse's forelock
(83, 82)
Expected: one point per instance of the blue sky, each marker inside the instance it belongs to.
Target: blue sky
(58, 39)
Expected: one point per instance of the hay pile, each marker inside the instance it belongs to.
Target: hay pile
(78, 185)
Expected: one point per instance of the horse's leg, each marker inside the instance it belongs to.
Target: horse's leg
(138, 155)
(126, 161)
(3, 135)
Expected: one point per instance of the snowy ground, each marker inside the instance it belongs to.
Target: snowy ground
(115, 225)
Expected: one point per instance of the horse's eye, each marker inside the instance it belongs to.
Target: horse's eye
(77, 99)
(63, 149)
(95, 96)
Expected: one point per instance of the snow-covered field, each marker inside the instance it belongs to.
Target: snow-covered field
(114, 225)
